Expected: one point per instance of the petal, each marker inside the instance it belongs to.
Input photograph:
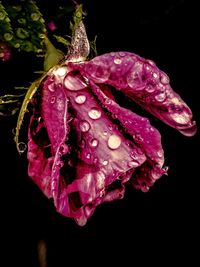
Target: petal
(142, 81)
(144, 135)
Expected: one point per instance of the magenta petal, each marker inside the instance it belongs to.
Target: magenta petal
(142, 81)
(144, 135)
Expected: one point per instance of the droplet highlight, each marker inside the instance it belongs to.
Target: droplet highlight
(117, 61)
(94, 113)
(114, 141)
(94, 142)
(84, 126)
(80, 99)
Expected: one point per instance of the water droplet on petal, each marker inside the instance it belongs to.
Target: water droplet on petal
(114, 141)
(155, 75)
(95, 160)
(117, 61)
(94, 113)
(61, 71)
(84, 126)
(105, 162)
(164, 79)
(150, 88)
(80, 99)
(105, 133)
(94, 143)
(161, 97)
(122, 54)
(88, 156)
(133, 164)
(52, 87)
(160, 153)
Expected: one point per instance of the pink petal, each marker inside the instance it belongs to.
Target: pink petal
(142, 81)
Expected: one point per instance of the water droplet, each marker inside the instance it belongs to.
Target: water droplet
(117, 61)
(52, 99)
(122, 54)
(164, 79)
(84, 126)
(160, 153)
(80, 99)
(88, 156)
(94, 113)
(94, 142)
(22, 147)
(114, 141)
(160, 97)
(108, 101)
(105, 133)
(63, 149)
(8, 36)
(95, 160)
(133, 164)
(74, 83)
(105, 162)
(150, 88)
(35, 16)
(52, 87)
(155, 75)
(61, 71)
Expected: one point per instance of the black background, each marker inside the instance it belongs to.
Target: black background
(159, 226)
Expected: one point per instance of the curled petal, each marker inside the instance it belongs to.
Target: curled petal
(142, 81)
(144, 135)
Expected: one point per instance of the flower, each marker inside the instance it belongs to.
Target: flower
(84, 147)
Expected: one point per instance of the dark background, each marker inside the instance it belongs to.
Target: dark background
(155, 227)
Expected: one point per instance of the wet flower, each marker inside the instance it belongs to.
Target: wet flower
(84, 146)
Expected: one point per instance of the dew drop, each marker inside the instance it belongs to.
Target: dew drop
(80, 99)
(150, 88)
(117, 61)
(22, 147)
(160, 97)
(95, 160)
(133, 164)
(155, 75)
(52, 87)
(84, 126)
(114, 141)
(105, 162)
(160, 153)
(61, 71)
(122, 54)
(88, 156)
(105, 133)
(94, 143)
(164, 79)
(94, 113)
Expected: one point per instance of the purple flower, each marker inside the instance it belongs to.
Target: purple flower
(84, 146)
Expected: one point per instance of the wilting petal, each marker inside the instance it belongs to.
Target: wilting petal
(142, 81)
